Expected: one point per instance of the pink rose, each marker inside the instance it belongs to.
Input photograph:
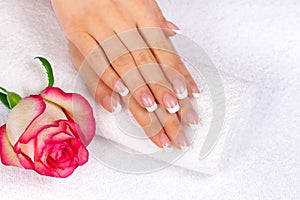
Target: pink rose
(48, 133)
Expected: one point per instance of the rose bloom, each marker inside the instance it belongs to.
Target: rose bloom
(48, 133)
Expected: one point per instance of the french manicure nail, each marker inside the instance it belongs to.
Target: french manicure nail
(117, 108)
(171, 103)
(166, 143)
(173, 27)
(149, 102)
(110, 101)
(183, 141)
(177, 31)
(192, 119)
(180, 89)
(195, 91)
(121, 88)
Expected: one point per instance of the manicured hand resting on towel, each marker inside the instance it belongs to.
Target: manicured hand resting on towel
(128, 53)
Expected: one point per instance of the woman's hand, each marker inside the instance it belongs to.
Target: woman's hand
(164, 129)
(127, 59)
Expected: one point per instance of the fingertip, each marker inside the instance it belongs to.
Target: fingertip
(169, 29)
(147, 101)
(172, 28)
(160, 139)
(171, 103)
(180, 88)
(195, 91)
(120, 88)
(168, 32)
(112, 104)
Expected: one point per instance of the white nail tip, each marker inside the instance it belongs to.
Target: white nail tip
(182, 95)
(194, 126)
(117, 109)
(196, 95)
(125, 92)
(174, 109)
(167, 148)
(184, 147)
(177, 31)
(152, 108)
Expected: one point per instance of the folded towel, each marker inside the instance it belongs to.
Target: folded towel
(223, 108)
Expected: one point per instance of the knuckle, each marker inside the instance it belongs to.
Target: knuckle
(138, 90)
(143, 57)
(124, 60)
(162, 45)
(173, 122)
(161, 85)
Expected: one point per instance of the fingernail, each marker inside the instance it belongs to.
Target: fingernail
(171, 103)
(195, 91)
(113, 103)
(177, 31)
(192, 119)
(173, 27)
(165, 142)
(121, 88)
(180, 89)
(149, 102)
(183, 141)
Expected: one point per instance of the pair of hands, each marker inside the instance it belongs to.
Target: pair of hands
(122, 51)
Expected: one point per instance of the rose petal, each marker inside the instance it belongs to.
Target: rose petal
(56, 133)
(42, 139)
(25, 161)
(61, 137)
(42, 169)
(50, 170)
(7, 155)
(77, 107)
(83, 155)
(26, 111)
(68, 131)
(64, 173)
(51, 114)
(26, 149)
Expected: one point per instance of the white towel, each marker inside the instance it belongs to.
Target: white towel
(239, 96)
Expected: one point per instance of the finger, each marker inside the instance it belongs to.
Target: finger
(188, 114)
(173, 128)
(158, 13)
(97, 60)
(150, 70)
(153, 36)
(169, 28)
(124, 64)
(102, 93)
(166, 55)
(162, 47)
(149, 122)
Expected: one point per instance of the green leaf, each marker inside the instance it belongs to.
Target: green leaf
(9, 99)
(13, 99)
(3, 89)
(3, 99)
(49, 70)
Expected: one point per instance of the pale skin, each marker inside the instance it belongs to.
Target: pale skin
(130, 66)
